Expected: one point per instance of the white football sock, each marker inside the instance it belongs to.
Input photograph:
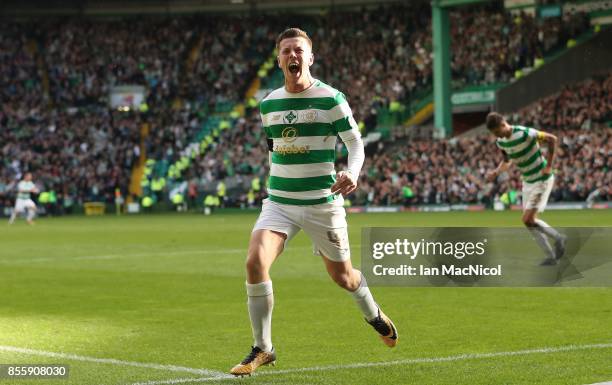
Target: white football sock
(260, 303)
(546, 229)
(542, 241)
(364, 299)
(31, 214)
(13, 216)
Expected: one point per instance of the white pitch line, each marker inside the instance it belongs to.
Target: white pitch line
(176, 381)
(111, 361)
(460, 357)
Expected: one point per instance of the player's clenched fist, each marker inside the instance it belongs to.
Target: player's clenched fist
(345, 184)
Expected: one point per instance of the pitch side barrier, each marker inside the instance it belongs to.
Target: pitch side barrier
(473, 207)
(165, 208)
(484, 257)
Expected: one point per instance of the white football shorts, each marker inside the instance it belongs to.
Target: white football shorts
(325, 225)
(535, 195)
(22, 204)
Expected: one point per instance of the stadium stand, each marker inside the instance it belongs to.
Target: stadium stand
(86, 57)
(55, 118)
(388, 60)
(453, 170)
(396, 59)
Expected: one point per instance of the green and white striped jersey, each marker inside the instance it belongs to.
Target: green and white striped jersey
(24, 188)
(303, 127)
(523, 149)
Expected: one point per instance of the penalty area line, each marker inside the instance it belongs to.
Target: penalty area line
(111, 361)
(425, 360)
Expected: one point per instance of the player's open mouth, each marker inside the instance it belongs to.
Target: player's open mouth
(293, 68)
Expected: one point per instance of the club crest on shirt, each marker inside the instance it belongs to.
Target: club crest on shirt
(308, 116)
(290, 117)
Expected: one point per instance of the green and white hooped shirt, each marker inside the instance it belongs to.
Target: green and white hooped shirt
(523, 149)
(24, 188)
(303, 127)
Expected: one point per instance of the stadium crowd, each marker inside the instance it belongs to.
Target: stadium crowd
(488, 47)
(576, 106)
(231, 50)
(79, 156)
(411, 172)
(85, 58)
(453, 170)
(395, 61)
(386, 55)
(382, 56)
(66, 133)
(55, 79)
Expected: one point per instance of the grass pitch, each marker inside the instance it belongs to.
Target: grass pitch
(160, 299)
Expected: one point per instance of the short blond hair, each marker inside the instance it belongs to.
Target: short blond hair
(290, 33)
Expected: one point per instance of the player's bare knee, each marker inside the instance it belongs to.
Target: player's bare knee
(529, 220)
(254, 264)
(255, 261)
